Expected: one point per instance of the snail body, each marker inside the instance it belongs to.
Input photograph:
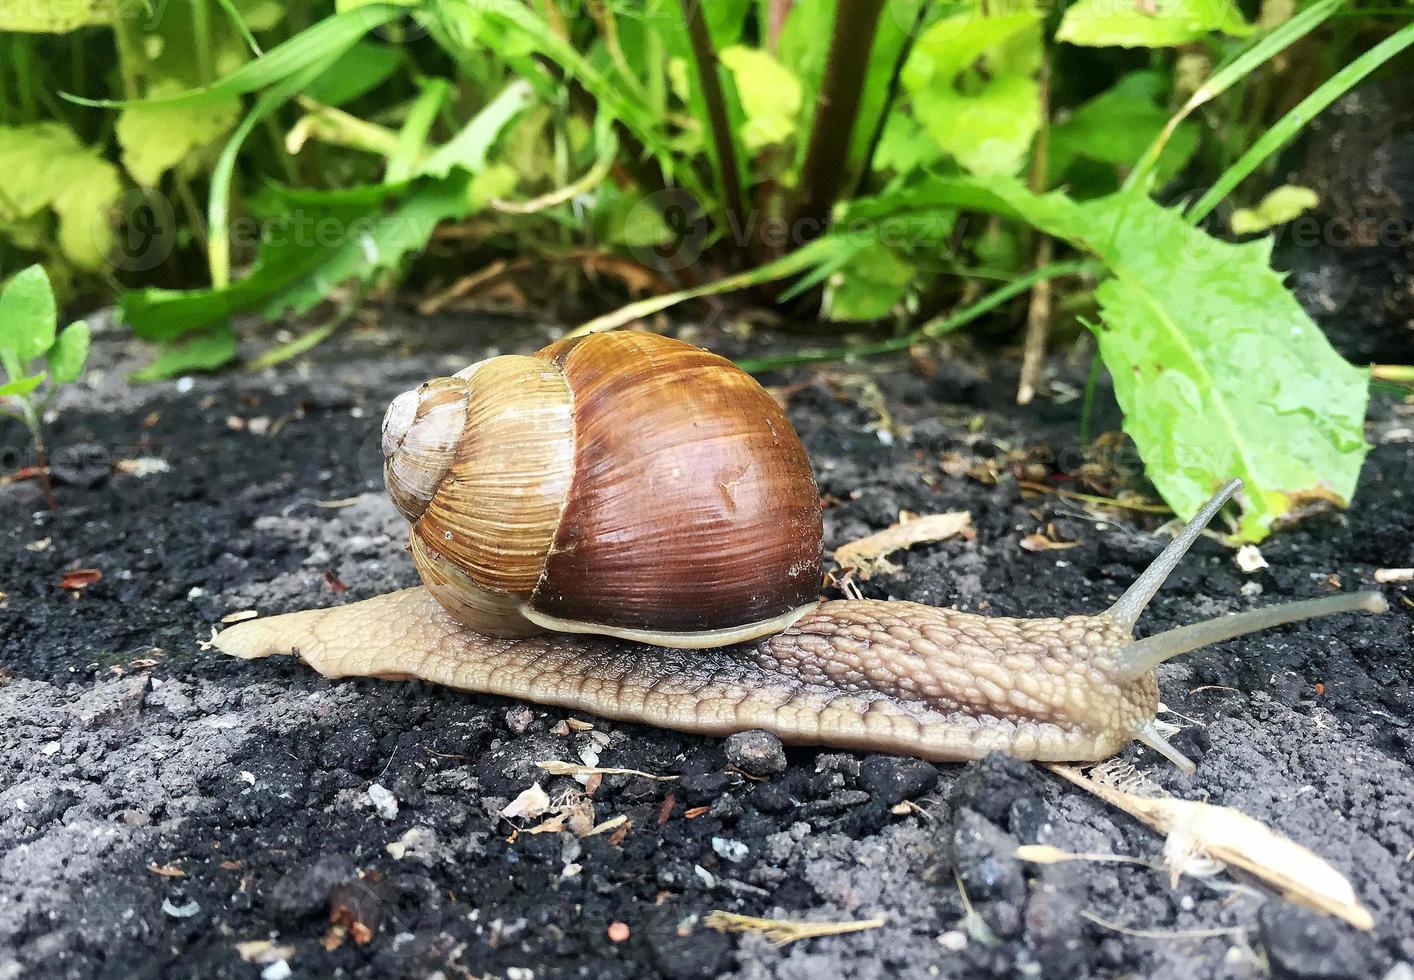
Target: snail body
(633, 487)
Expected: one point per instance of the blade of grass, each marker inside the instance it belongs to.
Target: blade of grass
(312, 338)
(802, 259)
(1307, 109)
(933, 329)
(1258, 54)
(331, 36)
(218, 208)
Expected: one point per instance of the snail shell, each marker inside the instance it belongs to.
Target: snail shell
(625, 484)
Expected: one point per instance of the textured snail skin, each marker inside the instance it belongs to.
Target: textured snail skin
(864, 674)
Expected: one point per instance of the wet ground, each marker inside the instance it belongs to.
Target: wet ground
(164, 808)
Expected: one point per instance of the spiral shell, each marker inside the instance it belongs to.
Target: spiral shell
(623, 483)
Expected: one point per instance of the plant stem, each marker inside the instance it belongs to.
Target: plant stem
(1038, 314)
(836, 109)
(866, 167)
(33, 422)
(709, 77)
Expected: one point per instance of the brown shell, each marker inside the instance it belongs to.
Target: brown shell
(693, 505)
(624, 482)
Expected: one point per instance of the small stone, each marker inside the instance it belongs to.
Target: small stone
(519, 718)
(756, 753)
(992, 784)
(730, 850)
(184, 911)
(891, 779)
(771, 798)
(385, 804)
(1031, 820)
(1305, 945)
(279, 970)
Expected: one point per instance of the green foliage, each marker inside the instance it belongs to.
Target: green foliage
(306, 151)
(36, 358)
(1149, 24)
(972, 77)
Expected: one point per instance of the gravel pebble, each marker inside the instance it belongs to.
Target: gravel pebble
(1305, 945)
(756, 753)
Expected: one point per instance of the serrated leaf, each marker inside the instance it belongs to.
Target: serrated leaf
(22, 386)
(30, 17)
(1277, 208)
(27, 314)
(205, 351)
(1218, 369)
(1149, 23)
(70, 351)
(770, 96)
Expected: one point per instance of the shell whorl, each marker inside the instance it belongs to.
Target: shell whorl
(624, 484)
(421, 430)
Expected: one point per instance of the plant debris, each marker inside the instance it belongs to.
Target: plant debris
(1389, 576)
(869, 555)
(1231, 837)
(557, 768)
(80, 578)
(529, 804)
(782, 932)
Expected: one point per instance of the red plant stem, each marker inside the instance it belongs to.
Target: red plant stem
(708, 74)
(836, 109)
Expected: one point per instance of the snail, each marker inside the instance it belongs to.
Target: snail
(628, 525)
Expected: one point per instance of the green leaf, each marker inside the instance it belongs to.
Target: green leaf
(874, 282)
(206, 351)
(359, 70)
(27, 314)
(22, 386)
(1149, 23)
(56, 17)
(45, 166)
(468, 148)
(770, 96)
(155, 138)
(1117, 126)
(1219, 371)
(1278, 207)
(70, 351)
(972, 78)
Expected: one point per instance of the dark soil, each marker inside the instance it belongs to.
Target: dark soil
(162, 804)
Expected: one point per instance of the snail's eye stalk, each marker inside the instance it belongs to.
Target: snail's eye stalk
(1130, 607)
(1144, 655)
